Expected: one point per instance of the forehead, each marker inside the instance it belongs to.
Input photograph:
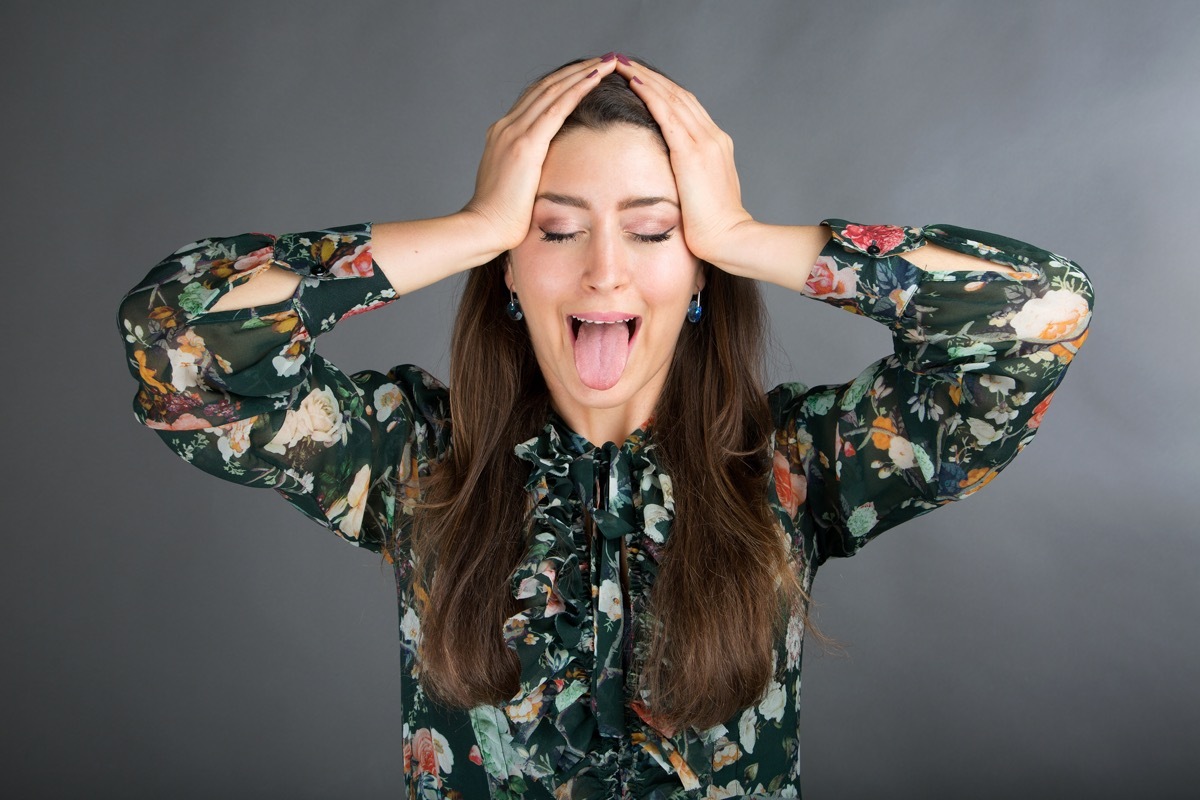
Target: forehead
(619, 160)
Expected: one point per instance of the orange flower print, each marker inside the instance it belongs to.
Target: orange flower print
(977, 479)
(827, 281)
(791, 489)
(1039, 411)
(147, 373)
(726, 754)
(355, 265)
(527, 710)
(684, 772)
(474, 755)
(882, 431)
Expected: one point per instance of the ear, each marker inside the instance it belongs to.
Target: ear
(702, 269)
(508, 273)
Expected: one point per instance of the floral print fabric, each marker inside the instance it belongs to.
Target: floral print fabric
(242, 395)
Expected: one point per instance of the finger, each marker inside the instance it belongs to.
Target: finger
(556, 81)
(673, 92)
(549, 110)
(669, 105)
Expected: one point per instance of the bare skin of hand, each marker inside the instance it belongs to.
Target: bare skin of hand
(716, 226)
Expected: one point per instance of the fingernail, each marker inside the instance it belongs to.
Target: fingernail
(593, 72)
(624, 60)
(609, 56)
(636, 79)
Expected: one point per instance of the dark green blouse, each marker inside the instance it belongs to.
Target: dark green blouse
(243, 395)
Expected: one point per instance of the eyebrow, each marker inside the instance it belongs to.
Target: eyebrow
(579, 202)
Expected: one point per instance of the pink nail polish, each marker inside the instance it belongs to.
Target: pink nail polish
(624, 60)
(593, 72)
(608, 56)
(636, 79)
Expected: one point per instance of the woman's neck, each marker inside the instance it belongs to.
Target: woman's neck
(601, 425)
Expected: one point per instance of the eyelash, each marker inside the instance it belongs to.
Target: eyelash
(653, 238)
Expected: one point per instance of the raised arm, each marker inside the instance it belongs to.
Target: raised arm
(220, 337)
(978, 355)
(984, 327)
(241, 394)
(415, 254)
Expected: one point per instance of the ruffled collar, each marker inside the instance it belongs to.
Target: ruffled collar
(574, 633)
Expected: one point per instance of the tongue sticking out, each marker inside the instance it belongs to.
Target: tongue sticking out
(600, 353)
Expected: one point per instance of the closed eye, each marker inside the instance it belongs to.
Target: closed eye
(654, 237)
(645, 238)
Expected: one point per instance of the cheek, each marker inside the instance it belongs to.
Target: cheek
(669, 279)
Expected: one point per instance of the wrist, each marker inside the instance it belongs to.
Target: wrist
(419, 253)
(779, 254)
(490, 236)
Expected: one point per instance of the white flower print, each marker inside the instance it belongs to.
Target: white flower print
(900, 450)
(445, 756)
(1057, 316)
(747, 732)
(610, 599)
(1000, 384)
(773, 704)
(318, 418)
(731, 789)
(387, 400)
(794, 640)
(985, 433)
(234, 439)
(186, 361)
(353, 504)
(410, 626)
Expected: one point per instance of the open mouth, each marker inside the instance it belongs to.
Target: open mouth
(602, 343)
(630, 323)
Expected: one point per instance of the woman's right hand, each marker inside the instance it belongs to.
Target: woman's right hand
(511, 167)
(418, 253)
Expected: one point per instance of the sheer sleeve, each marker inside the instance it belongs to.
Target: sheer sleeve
(242, 395)
(977, 357)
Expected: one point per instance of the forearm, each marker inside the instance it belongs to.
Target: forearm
(778, 254)
(419, 253)
(412, 255)
(784, 254)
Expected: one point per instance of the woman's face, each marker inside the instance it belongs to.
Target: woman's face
(604, 277)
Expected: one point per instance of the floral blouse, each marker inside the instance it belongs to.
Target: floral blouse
(242, 394)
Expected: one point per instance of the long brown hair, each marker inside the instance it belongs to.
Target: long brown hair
(725, 585)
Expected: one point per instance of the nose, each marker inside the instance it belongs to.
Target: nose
(607, 266)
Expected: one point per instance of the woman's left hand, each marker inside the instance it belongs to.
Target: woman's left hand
(716, 227)
(710, 195)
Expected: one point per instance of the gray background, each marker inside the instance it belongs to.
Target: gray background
(166, 634)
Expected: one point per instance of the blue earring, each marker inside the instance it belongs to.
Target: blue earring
(695, 310)
(514, 308)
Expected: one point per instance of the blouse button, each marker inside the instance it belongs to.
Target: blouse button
(873, 250)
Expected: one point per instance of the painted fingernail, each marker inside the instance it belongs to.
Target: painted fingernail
(636, 79)
(608, 56)
(624, 60)
(593, 72)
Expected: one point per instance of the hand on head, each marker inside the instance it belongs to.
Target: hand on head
(701, 154)
(710, 194)
(516, 146)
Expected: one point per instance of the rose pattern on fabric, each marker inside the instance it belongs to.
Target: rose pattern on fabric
(242, 395)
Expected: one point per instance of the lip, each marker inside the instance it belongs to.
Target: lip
(608, 317)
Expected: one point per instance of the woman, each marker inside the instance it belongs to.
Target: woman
(612, 299)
